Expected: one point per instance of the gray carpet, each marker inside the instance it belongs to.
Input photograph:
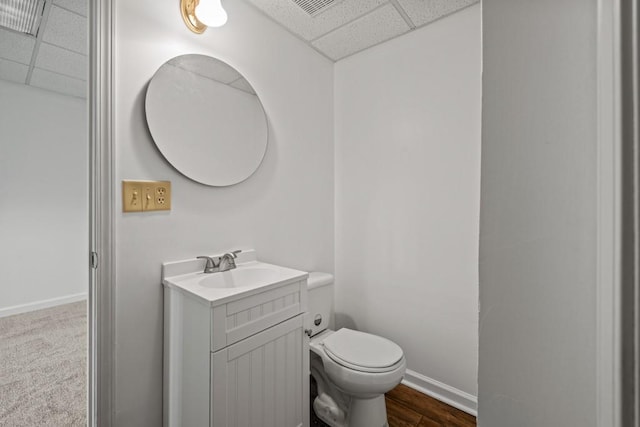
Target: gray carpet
(43, 357)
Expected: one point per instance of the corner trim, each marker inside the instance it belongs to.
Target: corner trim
(609, 211)
(101, 215)
(443, 392)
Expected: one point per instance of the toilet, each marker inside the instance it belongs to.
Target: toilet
(353, 370)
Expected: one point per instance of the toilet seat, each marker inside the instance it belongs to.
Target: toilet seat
(362, 352)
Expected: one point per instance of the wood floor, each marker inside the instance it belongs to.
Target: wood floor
(409, 408)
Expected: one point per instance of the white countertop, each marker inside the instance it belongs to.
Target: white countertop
(248, 278)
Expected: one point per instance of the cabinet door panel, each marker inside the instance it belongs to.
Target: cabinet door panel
(268, 385)
(259, 381)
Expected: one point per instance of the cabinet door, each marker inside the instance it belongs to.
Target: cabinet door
(263, 380)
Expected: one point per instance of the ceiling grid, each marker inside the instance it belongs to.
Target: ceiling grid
(346, 27)
(36, 46)
(402, 13)
(56, 58)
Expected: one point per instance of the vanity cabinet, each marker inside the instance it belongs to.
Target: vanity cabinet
(238, 361)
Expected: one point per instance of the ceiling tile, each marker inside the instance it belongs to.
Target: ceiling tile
(296, 20)
(62, 61)
(380, 25)
(13, 72)
(66, 29)
(58, 83)
(77, 6)
(422, 12)
(16, 47)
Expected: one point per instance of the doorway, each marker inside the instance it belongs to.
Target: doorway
(44, 216)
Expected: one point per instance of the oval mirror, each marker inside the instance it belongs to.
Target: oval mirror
(206, 120)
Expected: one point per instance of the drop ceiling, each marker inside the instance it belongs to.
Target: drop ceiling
(56, 58)
(340, 28)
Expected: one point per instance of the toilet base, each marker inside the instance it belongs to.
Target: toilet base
(362, 412)
(368, 412)
(328, 411)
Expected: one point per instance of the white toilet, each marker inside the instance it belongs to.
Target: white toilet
(352, 369)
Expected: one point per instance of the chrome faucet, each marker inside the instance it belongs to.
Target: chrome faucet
(211, 266)
(224, 263)
(228, 261)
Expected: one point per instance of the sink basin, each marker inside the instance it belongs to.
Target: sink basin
(248, 278)
(241, 277)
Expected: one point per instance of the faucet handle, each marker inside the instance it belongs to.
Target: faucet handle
(231, 255)
(227, 261)
(210, 266)
(235, 253)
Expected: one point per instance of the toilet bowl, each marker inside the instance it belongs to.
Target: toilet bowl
(352, 369)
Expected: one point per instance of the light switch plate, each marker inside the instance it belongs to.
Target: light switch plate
(131, 196)
(144, 196)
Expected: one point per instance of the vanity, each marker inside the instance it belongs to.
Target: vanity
(235, 349)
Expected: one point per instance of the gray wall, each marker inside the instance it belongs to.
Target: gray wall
(389, 202)
(538, 214)
(44, 218)
(284, 211)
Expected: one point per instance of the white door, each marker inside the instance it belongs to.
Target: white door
(263, 380)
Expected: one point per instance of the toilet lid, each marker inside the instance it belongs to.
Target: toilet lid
(361, 350)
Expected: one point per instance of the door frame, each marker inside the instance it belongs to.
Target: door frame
(101, 216)
(617, 220)
(630, 212)
(608, 224)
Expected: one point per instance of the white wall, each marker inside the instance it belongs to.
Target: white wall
(538, 214)
(285, 210)
(43, 196)
(407, 129)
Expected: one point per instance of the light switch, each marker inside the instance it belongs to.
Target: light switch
(131, 196)
(142, 196)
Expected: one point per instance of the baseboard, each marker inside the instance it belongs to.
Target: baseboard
(450, 395)
(39, 305)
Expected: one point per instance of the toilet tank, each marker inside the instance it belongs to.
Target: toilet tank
(320, 302)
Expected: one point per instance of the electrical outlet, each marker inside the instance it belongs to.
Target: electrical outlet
(157, 196)
(151, 195)
(163, 196)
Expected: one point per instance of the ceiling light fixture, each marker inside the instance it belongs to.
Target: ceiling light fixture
(200, 14)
